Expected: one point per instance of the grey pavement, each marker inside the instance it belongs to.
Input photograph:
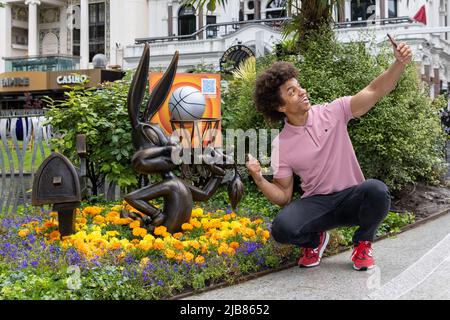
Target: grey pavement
(413, 265)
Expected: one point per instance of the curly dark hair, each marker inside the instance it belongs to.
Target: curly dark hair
(267, 89)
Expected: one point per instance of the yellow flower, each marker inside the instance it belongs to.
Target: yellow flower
(117, 207)
(186, 226)
(23, 232)
(227, 217)
(266, 234)
(197, 212)
(144, 262)
(112, 233)
(200, 260)
(53, 214)
(149, 237)
(145, 245)
(135, 224)
(160, 230)
(169, 253)
(187, 256)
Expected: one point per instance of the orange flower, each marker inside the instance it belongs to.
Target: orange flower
(139, 232)
(135, 224)
(49, 224)
(234, 245)
(158, 244)
(55, 235)
(93, 211)
(99, 219)
(187, 226)
(160, 230)
(178, 245)
(112, 216)
(177, 235)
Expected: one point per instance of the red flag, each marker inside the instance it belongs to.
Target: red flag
(421, 15)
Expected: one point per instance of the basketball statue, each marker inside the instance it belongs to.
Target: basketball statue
(154, 150)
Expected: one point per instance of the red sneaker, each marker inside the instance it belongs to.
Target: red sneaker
(312, 256)
(362, 256)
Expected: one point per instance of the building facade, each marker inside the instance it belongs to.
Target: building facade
(77, 30)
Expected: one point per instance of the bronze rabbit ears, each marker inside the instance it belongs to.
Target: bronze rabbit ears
(138, 85)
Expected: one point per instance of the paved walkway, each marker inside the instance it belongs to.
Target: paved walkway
(412, 265)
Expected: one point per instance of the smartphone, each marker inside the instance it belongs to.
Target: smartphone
(392, 40)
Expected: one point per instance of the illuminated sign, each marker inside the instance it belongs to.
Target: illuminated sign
(71, 79)
(15, 82)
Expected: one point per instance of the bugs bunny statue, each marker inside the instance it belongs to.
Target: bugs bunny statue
(153, 156)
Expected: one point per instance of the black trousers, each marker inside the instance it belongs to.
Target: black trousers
(364, 205)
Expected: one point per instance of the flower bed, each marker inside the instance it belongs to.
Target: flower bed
(112, 257)
(116, 258)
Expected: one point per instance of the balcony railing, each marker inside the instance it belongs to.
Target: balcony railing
(42, 63)
(215, 30)
(211, 31)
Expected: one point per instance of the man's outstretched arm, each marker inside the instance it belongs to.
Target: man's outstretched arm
(381, 86)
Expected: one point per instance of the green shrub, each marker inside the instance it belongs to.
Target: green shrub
(102, 115)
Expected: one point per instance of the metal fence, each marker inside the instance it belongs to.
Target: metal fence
(24, 144)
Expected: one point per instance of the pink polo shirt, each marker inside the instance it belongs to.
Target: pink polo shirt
(320, 152)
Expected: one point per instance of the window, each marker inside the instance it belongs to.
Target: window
(363, 10)
(96, 29)
(392, 9)
(211, 32)
(275, 9)
(187, 21)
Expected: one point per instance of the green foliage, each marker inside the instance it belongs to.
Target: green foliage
(103, 117)
(399, 141)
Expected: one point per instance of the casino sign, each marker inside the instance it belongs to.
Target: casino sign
(234, 56)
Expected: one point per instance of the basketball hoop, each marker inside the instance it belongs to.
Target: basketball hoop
(197, 133)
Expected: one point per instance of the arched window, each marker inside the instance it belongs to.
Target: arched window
(187, 23)
(275, 9)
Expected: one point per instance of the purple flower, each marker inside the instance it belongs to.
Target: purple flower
(34, 263)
